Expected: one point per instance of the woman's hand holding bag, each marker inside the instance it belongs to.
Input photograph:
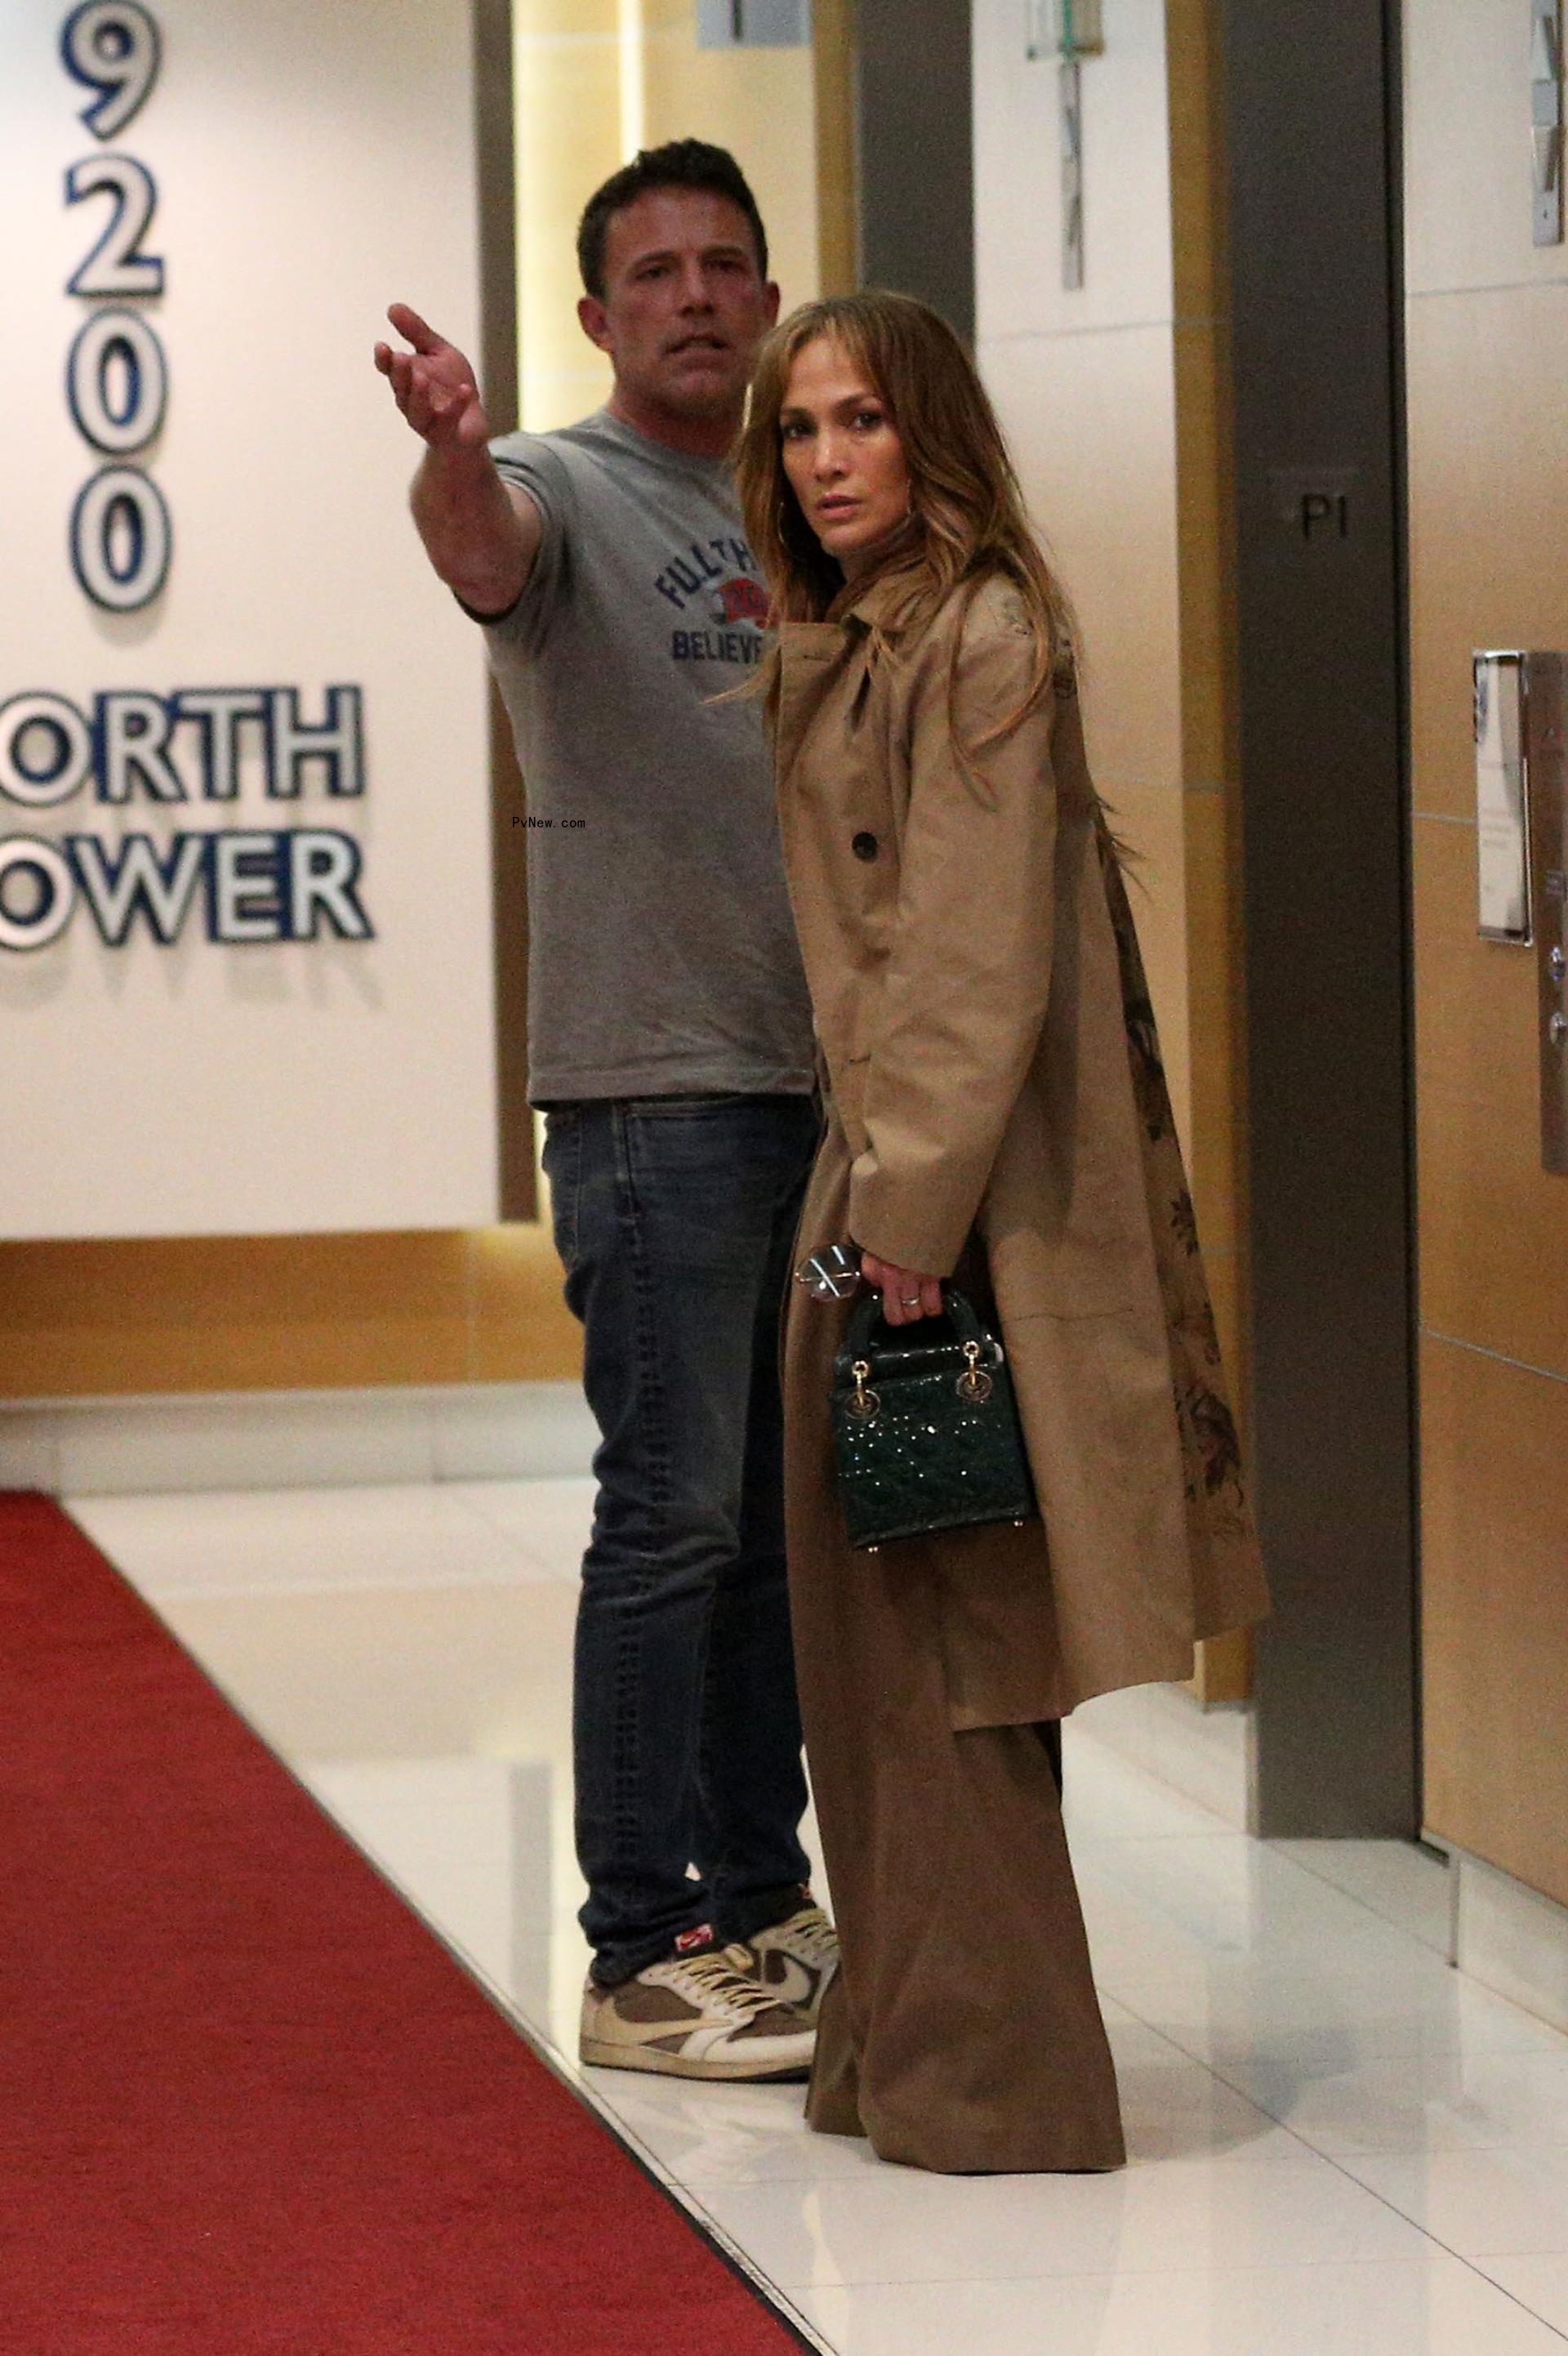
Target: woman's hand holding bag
(906, 1296)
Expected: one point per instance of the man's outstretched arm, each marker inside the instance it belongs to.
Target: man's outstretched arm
(480, 533)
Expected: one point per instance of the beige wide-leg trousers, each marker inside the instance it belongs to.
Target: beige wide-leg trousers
(964, 2033)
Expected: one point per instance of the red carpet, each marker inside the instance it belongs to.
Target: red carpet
(247, 2102)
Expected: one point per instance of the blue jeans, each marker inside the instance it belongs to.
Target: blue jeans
(675, 1218)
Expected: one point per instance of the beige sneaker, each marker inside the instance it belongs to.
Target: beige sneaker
(696, 2017)
(796, 1959)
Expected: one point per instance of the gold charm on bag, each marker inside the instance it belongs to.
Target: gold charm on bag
(865, 1404)
(974, 1385)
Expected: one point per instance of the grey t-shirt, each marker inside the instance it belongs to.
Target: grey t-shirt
(662, 953)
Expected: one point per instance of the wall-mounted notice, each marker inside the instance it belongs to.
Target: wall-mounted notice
(246, 975)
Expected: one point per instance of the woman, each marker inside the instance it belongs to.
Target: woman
(996, 1114)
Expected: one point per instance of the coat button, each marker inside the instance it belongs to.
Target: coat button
(864, 846)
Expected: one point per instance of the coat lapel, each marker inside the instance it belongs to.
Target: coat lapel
(818, 661)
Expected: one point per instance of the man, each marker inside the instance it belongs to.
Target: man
(671, 1045)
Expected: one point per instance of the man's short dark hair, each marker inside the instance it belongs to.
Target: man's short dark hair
(679, 164)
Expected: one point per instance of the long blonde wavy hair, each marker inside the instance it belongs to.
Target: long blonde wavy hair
(966, 499)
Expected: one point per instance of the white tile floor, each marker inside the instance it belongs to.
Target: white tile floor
(1339, 2146)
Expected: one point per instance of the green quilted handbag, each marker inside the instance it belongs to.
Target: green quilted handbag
(925, 1426)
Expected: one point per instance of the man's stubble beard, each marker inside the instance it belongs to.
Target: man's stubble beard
(695, 404)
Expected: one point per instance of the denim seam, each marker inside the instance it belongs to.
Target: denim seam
(790, 1194)
(653, 1419)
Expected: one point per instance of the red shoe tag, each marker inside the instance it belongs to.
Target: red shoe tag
(699, 1935)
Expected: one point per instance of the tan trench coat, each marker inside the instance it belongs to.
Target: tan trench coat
(993, 1068)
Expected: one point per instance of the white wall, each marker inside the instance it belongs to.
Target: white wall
(311, 162)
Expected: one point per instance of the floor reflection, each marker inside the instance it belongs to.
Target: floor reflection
(1319, 2113)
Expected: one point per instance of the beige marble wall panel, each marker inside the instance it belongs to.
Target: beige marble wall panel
(1493, 1224)
(1488, 508)
(1089, 419)
(1018, 173)
(1467, 153)
(1495, 1612)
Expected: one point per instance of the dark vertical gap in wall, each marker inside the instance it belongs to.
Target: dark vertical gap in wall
(915, 144)
(1312, 104)
(496, 130)
(1393, 84)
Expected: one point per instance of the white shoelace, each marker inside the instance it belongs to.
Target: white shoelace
(718, 1978)
(813, 1934)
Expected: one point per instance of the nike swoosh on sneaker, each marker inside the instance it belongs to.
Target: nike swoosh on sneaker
(796, 1985)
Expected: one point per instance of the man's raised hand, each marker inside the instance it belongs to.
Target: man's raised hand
(433, 385)
(481, 534)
